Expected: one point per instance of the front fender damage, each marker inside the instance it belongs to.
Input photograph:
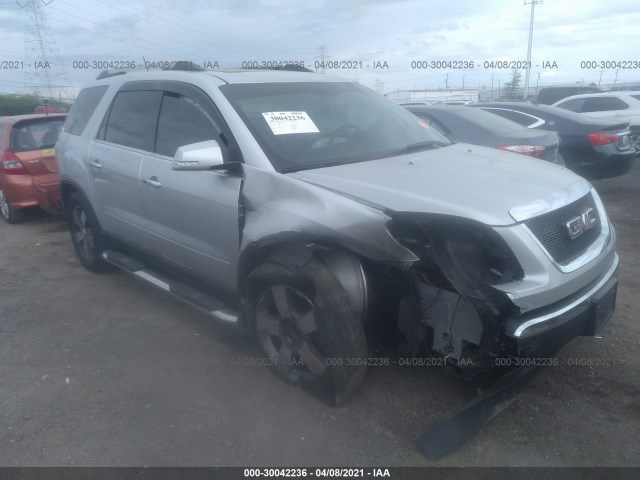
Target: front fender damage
(279, 210)
(451, 308)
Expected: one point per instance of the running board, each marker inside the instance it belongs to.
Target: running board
(450, 433)
(205, 302)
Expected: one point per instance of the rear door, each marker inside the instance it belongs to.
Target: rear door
(115, 158)
(193, 215)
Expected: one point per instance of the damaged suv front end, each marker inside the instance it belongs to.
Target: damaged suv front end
(474, 254)
(523, 290)
(484, 286)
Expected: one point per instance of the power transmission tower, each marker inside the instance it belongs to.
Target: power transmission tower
(44, 72)
(322, 58)
(379, 86)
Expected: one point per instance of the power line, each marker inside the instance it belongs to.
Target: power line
(209, 32)
(41, 53)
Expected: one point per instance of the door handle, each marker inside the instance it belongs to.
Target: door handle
(153, 182)
(95, 164)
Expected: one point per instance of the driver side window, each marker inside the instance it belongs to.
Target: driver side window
(183, 121)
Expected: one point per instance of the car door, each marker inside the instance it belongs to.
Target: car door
(193, 215)
(115, 158)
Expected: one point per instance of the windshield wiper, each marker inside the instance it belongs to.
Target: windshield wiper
(416, 147)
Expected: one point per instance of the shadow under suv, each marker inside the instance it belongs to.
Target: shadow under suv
(305, 208)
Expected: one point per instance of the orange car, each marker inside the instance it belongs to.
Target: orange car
(28, 167)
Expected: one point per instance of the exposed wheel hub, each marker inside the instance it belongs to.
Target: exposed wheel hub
(290, 331)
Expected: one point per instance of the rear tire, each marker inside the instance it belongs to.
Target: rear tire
(10, 214)
(303, 320)
(86, 235)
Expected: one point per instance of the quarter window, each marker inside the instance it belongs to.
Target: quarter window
(520, 118)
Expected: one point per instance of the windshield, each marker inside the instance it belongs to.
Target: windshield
(316, 124)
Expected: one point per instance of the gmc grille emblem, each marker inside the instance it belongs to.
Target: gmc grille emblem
(580, 224)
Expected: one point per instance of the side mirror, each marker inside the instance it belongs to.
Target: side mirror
(198, 156)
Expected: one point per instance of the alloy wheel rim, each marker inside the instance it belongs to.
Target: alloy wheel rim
(83, 234)
(287, 330)
(4, 205)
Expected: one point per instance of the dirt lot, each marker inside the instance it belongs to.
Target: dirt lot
(101, 370)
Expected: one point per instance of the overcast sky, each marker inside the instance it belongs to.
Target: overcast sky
(397, 32)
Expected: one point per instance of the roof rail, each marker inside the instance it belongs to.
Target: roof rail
(110, 73)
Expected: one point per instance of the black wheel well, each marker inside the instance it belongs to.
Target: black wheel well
(66, 189)
(293, 252)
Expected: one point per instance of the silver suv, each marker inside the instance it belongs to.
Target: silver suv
(311, 211)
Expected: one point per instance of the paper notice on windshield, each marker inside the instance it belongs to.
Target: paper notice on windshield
(283, 123)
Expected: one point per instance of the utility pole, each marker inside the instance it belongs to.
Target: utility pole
(526, 78)
(492, 97)
(446, 82)
(537, 83)
(616, 80)
(600, 77)
(463, 81)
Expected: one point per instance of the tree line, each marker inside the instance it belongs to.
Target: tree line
(12, 104)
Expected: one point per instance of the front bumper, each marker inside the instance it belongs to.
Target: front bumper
(543, 331)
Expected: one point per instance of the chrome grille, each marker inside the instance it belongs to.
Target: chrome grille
(551, 231)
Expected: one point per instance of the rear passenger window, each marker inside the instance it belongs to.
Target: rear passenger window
(83, 108)
(132, 119)
(183, 121)
(604, 104)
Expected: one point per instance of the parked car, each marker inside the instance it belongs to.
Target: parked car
(607, 104)
(47, 109)
(550, 95)
(29, 170)
(306, 208)
(469, 125)
(617, 106)
(594, 148)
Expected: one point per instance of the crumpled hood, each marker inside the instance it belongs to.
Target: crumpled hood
(461, 180)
